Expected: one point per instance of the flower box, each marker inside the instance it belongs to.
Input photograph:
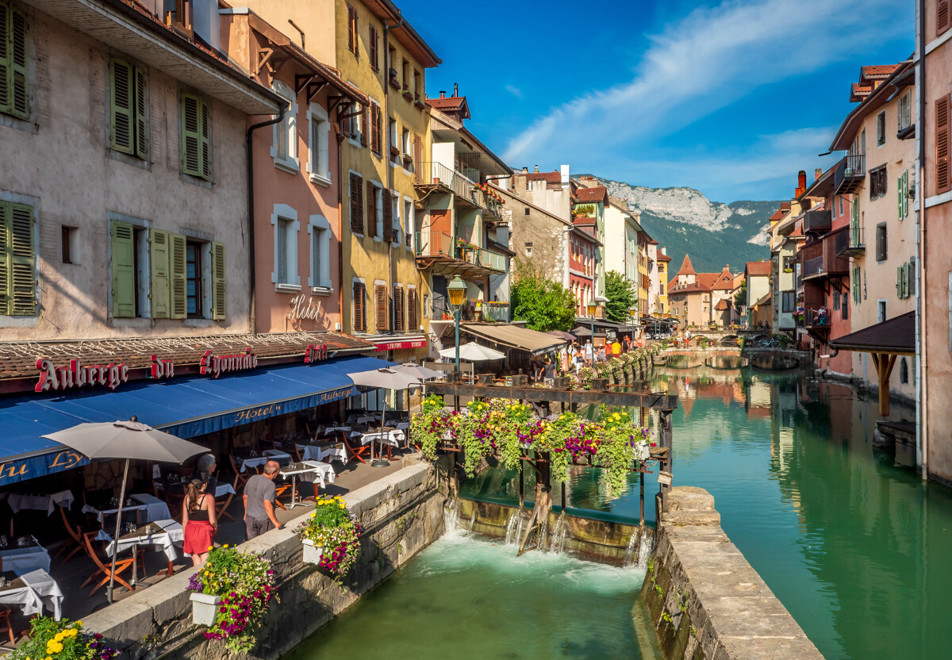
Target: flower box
(204, 608)
(312, 553)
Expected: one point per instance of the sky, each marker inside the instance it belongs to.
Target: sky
(729, 97)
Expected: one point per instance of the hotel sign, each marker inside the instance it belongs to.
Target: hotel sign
(38, 466)
(215, 365)
(76, 375)
(399, 345)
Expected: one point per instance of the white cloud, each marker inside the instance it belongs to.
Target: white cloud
(515, 91)
(707, 61)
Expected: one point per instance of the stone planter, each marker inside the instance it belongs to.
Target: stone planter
(312, 553)
(204, 608)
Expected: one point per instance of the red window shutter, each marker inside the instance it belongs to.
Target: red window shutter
(942, 144)
(373, 48)
(942, 16)
(375, 129)
(411, 311)
(381, 300)
(371, 209)
(387, 216)
(360, 314)
(356, 204)
(364, 126)
(398, 308)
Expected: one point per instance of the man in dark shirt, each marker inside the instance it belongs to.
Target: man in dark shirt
(259, 497)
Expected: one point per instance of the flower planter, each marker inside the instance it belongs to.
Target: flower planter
(312, 553)
(204, 608)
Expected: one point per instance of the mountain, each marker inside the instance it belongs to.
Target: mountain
(685, 222)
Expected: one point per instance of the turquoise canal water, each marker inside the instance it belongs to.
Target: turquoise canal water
(856, 546)
(468, 598)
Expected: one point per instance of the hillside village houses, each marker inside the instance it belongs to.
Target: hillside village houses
(703, 300)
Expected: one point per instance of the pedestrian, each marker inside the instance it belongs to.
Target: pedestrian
(616, 348)
(548, 373)
(259, 497)
(205, 470)
(199, 521)
(627, 343)
(564, 359)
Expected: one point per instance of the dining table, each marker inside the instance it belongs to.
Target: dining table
(31, 591)
(162, 535)
(24, 555)
(309, 471)
(312, 452)
(252, 462)
(48, 502)
(144, 504)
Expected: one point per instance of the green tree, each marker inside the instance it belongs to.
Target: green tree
(543, 304)
(740, 298)
(622, 295)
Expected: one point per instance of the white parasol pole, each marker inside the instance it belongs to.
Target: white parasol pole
(115, 538)
(379, 462)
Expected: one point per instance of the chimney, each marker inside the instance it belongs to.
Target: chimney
(816, 174)
(442, 93)
(801, 183)
(564, 170)
(455, 89)
(525, 170)
(536, 170)
(664, 251)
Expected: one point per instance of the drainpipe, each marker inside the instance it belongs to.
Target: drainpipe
(386, 154)
(340, 215)
(251, 212)
(921, 355)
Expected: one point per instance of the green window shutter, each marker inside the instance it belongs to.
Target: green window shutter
(6, 295)
(14, 90)
(907, 280)
(899, 271)
(123, 270)
(178, 298)
(22, 257)
(206, 153)
(218, 281)
(6, 60)
(141, 114)
(905, 194)
(191, 135)
(122, 107)
(159, 258)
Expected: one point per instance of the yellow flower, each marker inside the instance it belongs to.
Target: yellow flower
(79, 623)
(314, 514)
(225, 546)
(210, 547)
(343, 506)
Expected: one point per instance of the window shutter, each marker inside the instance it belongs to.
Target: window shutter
(205, 136)
(380, 295)
(6, 72)
(218, 281)
(122, 107)
(14, 93)
(387, 216)
(350, 28)
(123, 270)
(142, 127)
(356, 204)
(22, 261)
(191, 136)
(942, 139)
(941, 16)
(364, 126)
(6, 295)
(412, 319)
(371, 209)
(376, 129)
(418, 157)
(374, 63)
(281, 251)
(360, 318)
(398, 308)
(281, 139)
(179, 289)
(159, 258)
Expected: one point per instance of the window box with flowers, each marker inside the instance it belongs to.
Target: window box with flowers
(230, 595)
(64, 640)
(407, 94)
(331, 537)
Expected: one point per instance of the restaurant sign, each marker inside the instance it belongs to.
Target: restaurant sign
(315, 353)
(38, 466)
(215, 365)
(398, 345)
(295, 405)
(76, 375)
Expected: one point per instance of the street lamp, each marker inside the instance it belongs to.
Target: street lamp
(633, 314)
(456, 291)
(594, 304)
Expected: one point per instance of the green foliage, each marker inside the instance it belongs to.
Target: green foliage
(63, 640)
(543, 304)
(782, 339)
(622, 294)
(740, 298)
(337, 532)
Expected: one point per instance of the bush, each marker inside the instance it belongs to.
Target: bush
(64, 640)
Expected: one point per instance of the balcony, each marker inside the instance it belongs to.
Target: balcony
(850, 174)
(443, 254)
(816, 221)
(438, 175)
(825, 260)
(496, 311)
(812, 267)
(849, 243)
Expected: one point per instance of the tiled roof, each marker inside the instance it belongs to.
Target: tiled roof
(591, 195)
(721, 306)
(877, 71)
(663, 257)
(859, 92)
(686, 267)
(757, 268)
(897, 335)
(18, 359)
(784, 206)
(451, 103)
(777, 215)
(548, 177)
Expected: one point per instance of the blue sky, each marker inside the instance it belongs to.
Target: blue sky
(731, 97)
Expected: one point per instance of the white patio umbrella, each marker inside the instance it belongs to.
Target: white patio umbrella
(385, 379)
(473, 352)
(126, 440)
(412, 369)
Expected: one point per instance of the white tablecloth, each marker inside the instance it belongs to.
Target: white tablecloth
(267, 455)
(156, 509)
(24, 560)
(316, 471)
(166, 540)
(47, 503)
(315, 453)
(392, 438)
(224, 489)
(40, 589)
(332, 429)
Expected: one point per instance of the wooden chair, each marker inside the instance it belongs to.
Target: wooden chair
(222, 504)
(74, 543)
(240, 479)
(5, 624)
(103, 565)
(355, 450)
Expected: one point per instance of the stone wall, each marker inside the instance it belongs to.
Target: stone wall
(401, 514)
(705, 600)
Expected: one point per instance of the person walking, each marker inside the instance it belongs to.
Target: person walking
(205, 470)
(199, 521)
(548, 373)
(616, 348)
(259, 497)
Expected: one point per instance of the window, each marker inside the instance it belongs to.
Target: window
(360, 307)
(406, 75)
(286, 227)
(527, 210)
(392, 66)
(881, 129)
(943, 128)
(130, 286)
(413, 319)
(375, 129)
(881, 310)
(903, 371)
(196, 147)
(381, 308)
(67, 241)
(374, 49)
(318, 165)
(395, 226)
(902, 194)
(856, 280)
(904, 115)
(836, 301)
(193, 278)
(352, 37)
(356, 194)
(417, 77)
(355, 125)
(15, 92)
(17, 259)
(877, 182)
(881, 242)
(406, 146)
(789, 301)
(409, 221)
(398, 310)
(394, 140)
(284, 145)
(320, 230)
(128, 109)
(905, 282)
(942, 16)
(841, 205)
(845, 308)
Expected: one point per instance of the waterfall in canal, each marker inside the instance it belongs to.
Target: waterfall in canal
(557, 540)
(644, 542)
(451, 517)
(514, 527)
(472, 520)
(630, 552)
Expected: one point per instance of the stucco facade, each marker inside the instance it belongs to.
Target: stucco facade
(89, 199)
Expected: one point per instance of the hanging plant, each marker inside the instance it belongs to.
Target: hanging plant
(64, 639)
(334, 534)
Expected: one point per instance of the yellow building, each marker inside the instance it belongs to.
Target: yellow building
(384, 295)
(664, 262)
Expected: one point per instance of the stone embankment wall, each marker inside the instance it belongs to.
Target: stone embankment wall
(705, 600)
(401, 514)
(609, 542)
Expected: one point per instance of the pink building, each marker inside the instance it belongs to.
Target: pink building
(296, 179)
(582, 249)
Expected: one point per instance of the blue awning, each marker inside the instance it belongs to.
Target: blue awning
(185, 407)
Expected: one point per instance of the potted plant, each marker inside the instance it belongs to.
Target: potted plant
(331, 537)
(407, 94)
(232, 591)
(62, 639)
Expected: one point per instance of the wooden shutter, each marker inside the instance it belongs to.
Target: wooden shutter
(6, 296)
(205, 121)
(364, 126)
(179, 289)
(356, 204)
(360, 312)
(412, 319)
(191, 135)
(160, 286)
(17, 261)
(123, 270)
(353, 43)
(374, 61)
(371, 209)
(942, 144)
(141, 126)
(375, 134)
(281, 252)
(387, 216)
(380, 301)
(942, 16)
(14, 90)
(122, 104)
(218, 281)
(6, 73)
(418, 158)
(398, 308)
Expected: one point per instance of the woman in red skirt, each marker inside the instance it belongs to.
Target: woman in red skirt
(199, 520)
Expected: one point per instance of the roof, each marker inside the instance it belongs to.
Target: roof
(591, 195)
(404, 33)
(722, 305)
(757, 268)
(454, 104)
(686, 267)
(876, 71)
(767, 299)
(896, 336)
(663, 257)
(513, 336)
(881, 95)
(548, 177)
